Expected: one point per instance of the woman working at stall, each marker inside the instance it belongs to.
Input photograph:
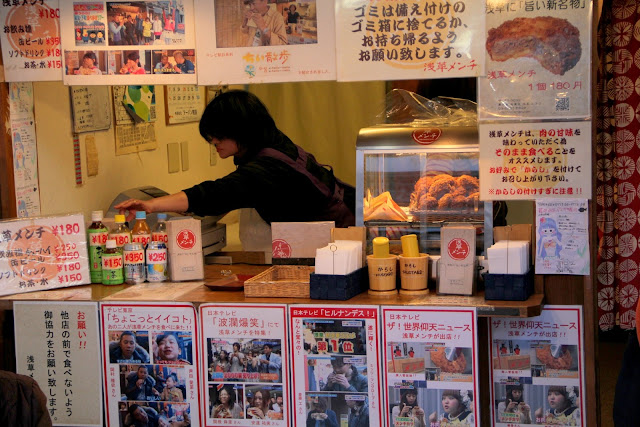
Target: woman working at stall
(276, 177)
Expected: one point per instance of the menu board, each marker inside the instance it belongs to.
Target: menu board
(91, 108)
(538, 60)
(117, 42)
(431, 366)
(527, 161)
(265, 42)
(44, 253)
(31, 41)
(246, 355)
(391, 39)
(336, 365)
(537, 374)
(150, 363)
(183, 103)
(58, 345)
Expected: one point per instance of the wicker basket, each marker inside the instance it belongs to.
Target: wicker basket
(288, 281)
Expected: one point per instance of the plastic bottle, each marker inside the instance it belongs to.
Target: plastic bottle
(112, 273)
(120, 233)
(159, 233)
(141, 233)
(98, 234)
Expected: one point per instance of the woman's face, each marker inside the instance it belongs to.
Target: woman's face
(225, 147)
(556, 400)
(87, 62)
(168, 349)
(516, 394)
(224, 397)
(170, 382)
(223, 355)
(411, 399)
(257, 399)
(450, 404)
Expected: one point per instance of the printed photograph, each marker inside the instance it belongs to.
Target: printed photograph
(334, 336)
(407, 400)
(512, 355)
(140, 23)
(263, 402)
(226, 401)
(154, 414)
(85, 62)
(255, 23)
(447, 407)
(336, 373)
(172, 347)
(337, 409)
(130, 62)
(248, 360)
(173, 61)
(150, 383)
(435, 361)
(88, 22)
(129, 347)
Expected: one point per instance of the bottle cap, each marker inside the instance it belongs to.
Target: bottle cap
(111, 244)
(96, 216)
(162, 217)
(141, 215)
(119, 219)
(410, 245)
(381, 247)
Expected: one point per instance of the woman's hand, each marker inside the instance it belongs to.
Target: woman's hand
(433, 417)
(405, 410)
(538, 414)
(524, 408)
(511, 407)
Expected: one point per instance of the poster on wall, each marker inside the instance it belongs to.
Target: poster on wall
(537, 371)
(391, 39)
(91, 108)
(118, 42)
(183, 104)
(25, 150)
(246, 365)
(430, 366)
(150, 361)
(562, 237)
(528, 161)
(31, 41)
(336, 365)
(265, 41)
(538, 60)
(58, 345)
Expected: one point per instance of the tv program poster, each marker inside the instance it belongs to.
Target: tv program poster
(431, 366)
(246, 369)
(298, 44)
(391, 39)
(147, 41)
(528, 161)
(31, 41)
(562, 237)
(150, 363)
(537, 371)
(336, 365)
(551, 83)
(58, 345)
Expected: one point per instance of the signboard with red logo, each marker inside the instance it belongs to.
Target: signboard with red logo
(43, 253)
(457, 261)
(186, 239)
(428, 354)
(426, 136)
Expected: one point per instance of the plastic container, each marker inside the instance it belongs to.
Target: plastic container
(120, 233)
(141, 233)
(159, 233)
(112, 273)
(98, 234)
(508, 287)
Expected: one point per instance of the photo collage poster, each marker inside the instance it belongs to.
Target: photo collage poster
(549, 79)
(265, 41)
(150, 41)
(537, 374)
(430, 359)
(245, 353)
(335, 365)
(391, 39)
(150, 363)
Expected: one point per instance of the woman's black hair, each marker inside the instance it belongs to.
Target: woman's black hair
(510, 389)
(240, 116)
(91, 56)
(232, 396)
(165, 334)
(403, 395)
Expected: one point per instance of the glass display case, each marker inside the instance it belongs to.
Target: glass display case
(413, 180)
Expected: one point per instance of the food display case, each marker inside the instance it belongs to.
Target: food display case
(414, 180)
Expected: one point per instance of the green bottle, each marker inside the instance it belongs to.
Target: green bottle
(112, 264)
(98, 235)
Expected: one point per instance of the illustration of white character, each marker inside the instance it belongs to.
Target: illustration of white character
(549, 242)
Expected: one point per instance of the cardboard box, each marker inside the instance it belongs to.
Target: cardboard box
(185, 249)
(457, 268)
(522, 361)
(409, 365)
(296, 242)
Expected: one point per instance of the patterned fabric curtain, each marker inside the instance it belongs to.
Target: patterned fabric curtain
(618, 164)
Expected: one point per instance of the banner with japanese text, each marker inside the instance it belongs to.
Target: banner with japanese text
(31, 41)
(537, 371)
(128, 42)
(393, 40)
(538, 60)
(150, 363)
(266, 41)
(58, 345)
(40, 254)
(527, 161)
(431, 366)
(246, 365)
(336, 365)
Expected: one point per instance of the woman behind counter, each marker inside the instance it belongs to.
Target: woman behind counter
(276, 177)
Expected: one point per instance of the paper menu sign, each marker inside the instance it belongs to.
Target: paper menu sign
(31, 41)
(430, 356)
(553, 80)
(390, 39)
(298, 44)
(58, 345)
(541, 359)
(335, 364)
(150, 361)
(246, 363)
(562, 237)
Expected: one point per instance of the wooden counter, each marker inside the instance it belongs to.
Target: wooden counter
(197, 292)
